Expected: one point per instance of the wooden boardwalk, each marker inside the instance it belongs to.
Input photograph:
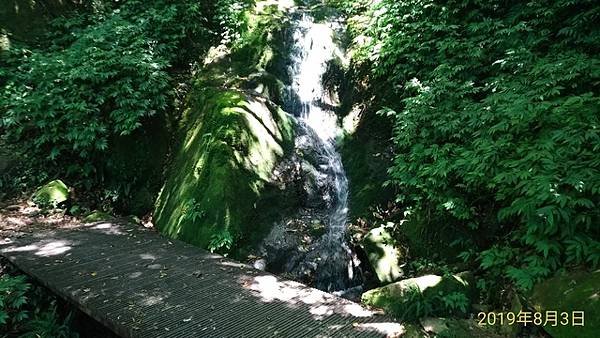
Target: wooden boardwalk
(140, 284)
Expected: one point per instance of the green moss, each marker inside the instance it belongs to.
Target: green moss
(51, 194)
(222, 167)
(97, 216)
(257, 61)
(575, 291)
(383, 254)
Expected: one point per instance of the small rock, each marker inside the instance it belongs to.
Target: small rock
(13, 208)
(97, 216)
(260, 264)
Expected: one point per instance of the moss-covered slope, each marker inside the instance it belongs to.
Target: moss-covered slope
(219, 191)
(221, 169)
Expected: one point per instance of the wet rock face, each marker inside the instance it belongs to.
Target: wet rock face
(301, 248)
(301, 245)
(305, 174)
(289, 241)
(320, 190)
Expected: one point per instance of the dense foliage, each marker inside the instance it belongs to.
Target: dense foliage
(101, 73)
(497, 120)
(29, 311)
(493, 104)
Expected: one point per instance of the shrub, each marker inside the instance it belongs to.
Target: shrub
(497, 120)
(13, 299)
(102, 74)
(48, 324)
(30, 311)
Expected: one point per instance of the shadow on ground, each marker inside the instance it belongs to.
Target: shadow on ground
(140, 284)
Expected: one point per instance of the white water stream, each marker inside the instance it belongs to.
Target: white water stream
(313, 47)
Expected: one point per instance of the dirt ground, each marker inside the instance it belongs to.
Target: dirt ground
(18, 217)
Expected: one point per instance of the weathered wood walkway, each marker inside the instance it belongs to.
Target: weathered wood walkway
(140, 284)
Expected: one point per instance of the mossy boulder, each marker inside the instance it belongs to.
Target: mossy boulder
(395, 297)
(459, 328)
(222, 168)
(51, 194)
(219, 189)
(97, 216)
(574, 291)
(383, 253)
(412, 331)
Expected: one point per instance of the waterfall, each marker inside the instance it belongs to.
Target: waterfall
(310, 243)
(313, 48)
(330, 259)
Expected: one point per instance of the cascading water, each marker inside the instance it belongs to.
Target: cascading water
(313, 48)
(329, 260)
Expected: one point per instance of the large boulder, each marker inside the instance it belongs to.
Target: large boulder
(574, 291)
(221, 189)
(396, 298)
(217, 191)
(383, 254)
(51, 194)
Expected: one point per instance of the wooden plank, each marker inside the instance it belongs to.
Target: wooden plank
(140, 284)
